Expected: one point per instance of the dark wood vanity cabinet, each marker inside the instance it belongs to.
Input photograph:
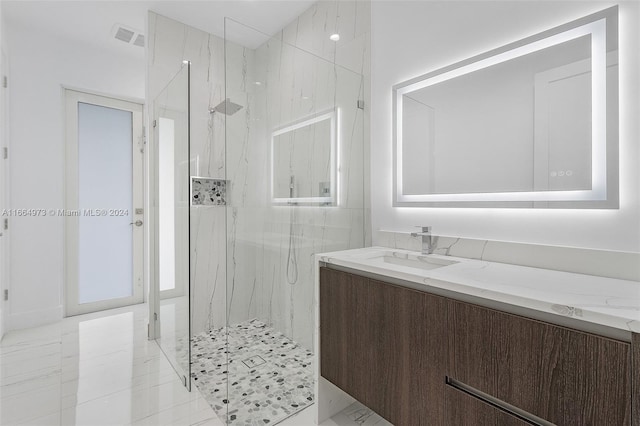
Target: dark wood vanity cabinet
(421, 359)
(561, 375)
(372, 348)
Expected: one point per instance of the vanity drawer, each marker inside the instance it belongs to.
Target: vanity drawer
(564, 376)
(462, 409)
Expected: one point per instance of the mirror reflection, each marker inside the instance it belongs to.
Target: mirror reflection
(303, 161)
(480, 132)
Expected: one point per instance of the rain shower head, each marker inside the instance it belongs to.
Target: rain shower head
(226, 107)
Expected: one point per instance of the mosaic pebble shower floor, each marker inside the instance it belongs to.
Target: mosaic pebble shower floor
(270, 377)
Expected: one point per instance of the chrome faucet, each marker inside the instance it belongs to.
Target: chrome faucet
(427, 246)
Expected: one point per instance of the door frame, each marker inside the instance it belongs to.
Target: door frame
(71, 98)
(5, 263)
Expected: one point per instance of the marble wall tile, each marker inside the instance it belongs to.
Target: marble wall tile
(242, 272)
(271, 270)
(291, 236)
(604, 263)
(253, 259)
(459, 247)
(350, 19)
(311, 30)
(399, 240)
(208, 268)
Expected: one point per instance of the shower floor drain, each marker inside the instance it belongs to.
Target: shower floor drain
(267, 376)
(254, 361)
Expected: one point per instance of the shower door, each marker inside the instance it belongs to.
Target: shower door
(170, 306)
(294, 157)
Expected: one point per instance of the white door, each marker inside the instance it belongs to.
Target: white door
(103, 203)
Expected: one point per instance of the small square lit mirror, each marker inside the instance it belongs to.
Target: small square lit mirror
(530, 124)
(303, 161)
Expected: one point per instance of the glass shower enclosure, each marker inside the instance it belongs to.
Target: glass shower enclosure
(171, 177)
(276, 178)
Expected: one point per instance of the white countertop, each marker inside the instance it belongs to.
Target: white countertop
(605, 301)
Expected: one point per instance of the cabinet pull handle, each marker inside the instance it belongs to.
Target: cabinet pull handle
(497, 403)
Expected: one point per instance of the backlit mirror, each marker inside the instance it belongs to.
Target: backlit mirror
(531, 124)
(303, 161)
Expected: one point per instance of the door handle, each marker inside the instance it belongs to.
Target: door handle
(136, 223)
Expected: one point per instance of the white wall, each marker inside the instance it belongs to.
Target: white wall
(40, 64)
(412, 38)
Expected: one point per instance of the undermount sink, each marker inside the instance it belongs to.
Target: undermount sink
(419, 262)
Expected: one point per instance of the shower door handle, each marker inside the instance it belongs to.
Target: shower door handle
(136, 223)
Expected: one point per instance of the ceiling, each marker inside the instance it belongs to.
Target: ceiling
(93, 21)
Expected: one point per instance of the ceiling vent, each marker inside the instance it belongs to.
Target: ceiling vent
(128, 35)
(139, 41)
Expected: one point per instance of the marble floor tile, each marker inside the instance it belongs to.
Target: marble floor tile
(361, 415)
(108, 382)
(354, 415)
(93, 369)
(30, 405)
(128, 406)
(22, 368)
(29, 382)
(48, 420)
(193, 412)
(100, 369)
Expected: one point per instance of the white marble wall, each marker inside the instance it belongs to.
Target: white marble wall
(252, 259)
(271, 247)
(352, 20)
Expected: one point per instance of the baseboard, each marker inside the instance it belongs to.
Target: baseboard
(30, 319)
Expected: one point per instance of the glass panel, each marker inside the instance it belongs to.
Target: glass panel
(171, 112)
(275, 130)
(303, 161)
(105, 244)
(166, 203)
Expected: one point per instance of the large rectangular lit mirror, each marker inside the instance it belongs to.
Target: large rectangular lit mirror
(303, 161)
(530, 124)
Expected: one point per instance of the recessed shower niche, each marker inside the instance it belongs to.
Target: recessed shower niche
(208, 191)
